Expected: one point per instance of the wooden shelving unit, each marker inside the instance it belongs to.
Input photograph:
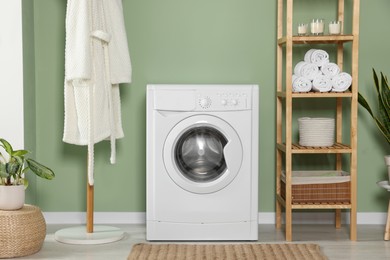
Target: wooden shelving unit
(285, 148)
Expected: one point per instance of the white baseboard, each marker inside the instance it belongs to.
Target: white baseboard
(79, 218)
(363, 218)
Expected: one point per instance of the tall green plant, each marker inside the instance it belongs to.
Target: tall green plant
(382, 120)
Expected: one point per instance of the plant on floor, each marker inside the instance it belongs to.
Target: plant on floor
(382, 120)
(14, 165)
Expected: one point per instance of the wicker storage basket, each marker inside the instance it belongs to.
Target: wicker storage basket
(318, 187)
(316, 131)
(22, 231)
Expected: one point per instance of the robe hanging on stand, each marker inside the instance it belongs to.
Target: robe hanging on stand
(97, 60)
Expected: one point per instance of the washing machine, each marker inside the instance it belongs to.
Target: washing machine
(202, 162)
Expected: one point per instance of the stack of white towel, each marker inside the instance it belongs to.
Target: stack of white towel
(316, 73)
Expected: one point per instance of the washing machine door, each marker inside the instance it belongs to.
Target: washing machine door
(202, 154)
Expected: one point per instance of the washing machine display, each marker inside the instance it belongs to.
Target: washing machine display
(199, 154)
(202, 162)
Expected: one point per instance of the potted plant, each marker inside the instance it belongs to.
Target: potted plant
(382, 120)
(13, 167)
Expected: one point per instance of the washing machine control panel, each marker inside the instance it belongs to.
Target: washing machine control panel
(218, 100)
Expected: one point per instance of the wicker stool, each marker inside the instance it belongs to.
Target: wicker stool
(22, 232)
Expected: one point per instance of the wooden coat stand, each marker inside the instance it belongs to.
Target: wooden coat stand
(90, 203)
(89, 234)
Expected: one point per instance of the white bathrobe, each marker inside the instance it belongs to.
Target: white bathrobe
(97, 60)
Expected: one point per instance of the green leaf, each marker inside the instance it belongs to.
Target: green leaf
(384, 108)
(376, 81)
(383, 94)
(3, 172)
(19, 152)
(7, 146)
(12, 167)
(40, 170)
(363, 102)
(25, 183)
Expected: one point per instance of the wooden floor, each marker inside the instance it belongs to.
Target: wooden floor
(335, 243)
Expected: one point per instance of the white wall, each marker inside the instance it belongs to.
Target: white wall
(11, 72)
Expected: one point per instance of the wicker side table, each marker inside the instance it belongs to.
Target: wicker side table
(22, 231)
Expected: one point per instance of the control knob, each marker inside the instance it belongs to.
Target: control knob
(205, 102)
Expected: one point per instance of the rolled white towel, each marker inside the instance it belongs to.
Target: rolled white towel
(298, 67)
(341, 82)
(322, 83)
(294, 77)
(330, 69)
(301, 84)
(306, 69)
(318, 57)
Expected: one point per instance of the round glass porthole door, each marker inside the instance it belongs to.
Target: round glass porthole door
(199, 154)
(202, 154)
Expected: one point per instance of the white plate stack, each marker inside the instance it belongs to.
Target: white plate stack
(316, 131)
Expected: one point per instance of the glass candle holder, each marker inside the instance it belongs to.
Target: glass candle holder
(302, 29)
(317, 27)
(335, 27)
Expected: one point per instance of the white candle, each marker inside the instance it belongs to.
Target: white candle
(335, 27)
(317, 26)
(302, 29)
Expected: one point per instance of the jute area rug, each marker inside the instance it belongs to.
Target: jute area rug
(146, 251)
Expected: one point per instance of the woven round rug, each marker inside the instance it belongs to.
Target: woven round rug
(226, 251)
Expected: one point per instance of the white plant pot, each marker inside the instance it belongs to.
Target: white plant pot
(387, 161)
(11, 197)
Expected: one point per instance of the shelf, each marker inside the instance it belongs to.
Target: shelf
(344, 106)
(283, 94)
(324, 205)
(337, 148)
(328, 39)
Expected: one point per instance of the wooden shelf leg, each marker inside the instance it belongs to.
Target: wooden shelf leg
(353, 221)
(338, 218)
(387, 230)
(278, 215)
(288, 223)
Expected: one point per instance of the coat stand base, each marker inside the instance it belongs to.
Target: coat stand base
(90, 234)
(80, 236)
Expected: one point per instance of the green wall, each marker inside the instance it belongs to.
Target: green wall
(182, 41)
